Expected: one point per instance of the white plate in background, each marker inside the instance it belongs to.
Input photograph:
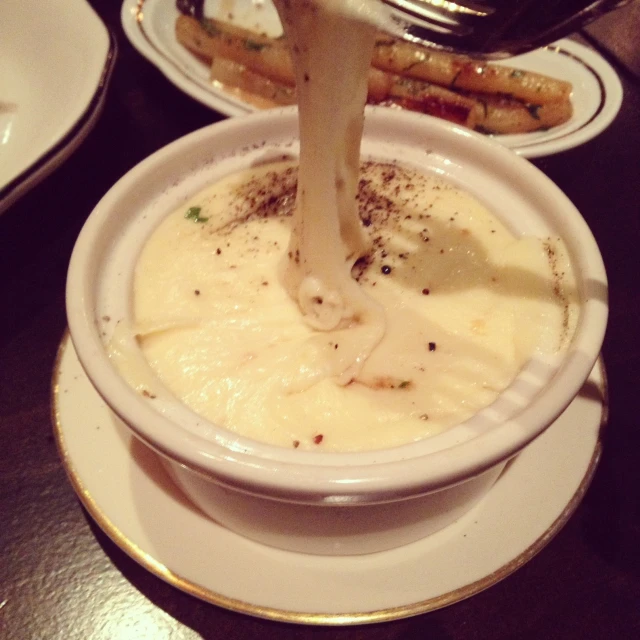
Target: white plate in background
(55, 61)
(596, 97)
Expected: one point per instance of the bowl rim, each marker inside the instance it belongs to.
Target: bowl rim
(336, 478)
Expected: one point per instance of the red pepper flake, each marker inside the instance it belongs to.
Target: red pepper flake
(318, 439)
(425, 292)
(197, 292)
(218, 251)
(432, 346)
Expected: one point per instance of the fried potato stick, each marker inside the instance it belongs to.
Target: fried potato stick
(259, 70)
(459, 72)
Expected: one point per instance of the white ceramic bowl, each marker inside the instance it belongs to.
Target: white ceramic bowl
(330, 502)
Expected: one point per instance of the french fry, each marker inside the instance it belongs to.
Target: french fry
(435, 101)
(459, 72)
(504, 116)
(211, 39)
(490, 98)
(265, 56)
(250, 86)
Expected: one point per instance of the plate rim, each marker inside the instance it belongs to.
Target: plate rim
(49, 159)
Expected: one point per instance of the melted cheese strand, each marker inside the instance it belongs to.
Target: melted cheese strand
(331, 50)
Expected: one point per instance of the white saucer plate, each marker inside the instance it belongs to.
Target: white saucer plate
(55, 63)
(125, 489)
(596, 97)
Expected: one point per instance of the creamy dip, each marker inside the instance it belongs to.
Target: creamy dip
(466, 305)
(366, 312)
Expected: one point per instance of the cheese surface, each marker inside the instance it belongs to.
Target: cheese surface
(466, 305)
(331, 305)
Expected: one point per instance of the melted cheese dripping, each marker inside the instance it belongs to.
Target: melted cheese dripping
(331, 46)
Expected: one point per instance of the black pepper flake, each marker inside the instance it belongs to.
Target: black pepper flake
(296, 444)
(197, 292)
(432, 346)
(218, 251)
(424, 416)
(148, 394)
(425, 292)
(318, 439)
(386, 269)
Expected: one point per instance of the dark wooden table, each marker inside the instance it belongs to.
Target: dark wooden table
(61, 577)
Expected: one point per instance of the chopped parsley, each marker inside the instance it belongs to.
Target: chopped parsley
(193, 213)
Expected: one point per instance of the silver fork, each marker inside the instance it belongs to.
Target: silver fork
(441, 16)
(493, 28)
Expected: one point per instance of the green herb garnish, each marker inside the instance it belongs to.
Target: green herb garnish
(404, 384)
(193, 213)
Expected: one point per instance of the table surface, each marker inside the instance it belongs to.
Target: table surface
(61, 577)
